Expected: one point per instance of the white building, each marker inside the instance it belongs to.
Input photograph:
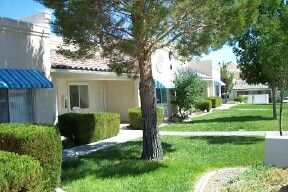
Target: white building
(26, 93)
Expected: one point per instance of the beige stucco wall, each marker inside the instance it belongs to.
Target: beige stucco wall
(45, 105)
(204, 66)
(25, 45)
(120, 97)
(95, 89)
(110, 93)
(210, 88)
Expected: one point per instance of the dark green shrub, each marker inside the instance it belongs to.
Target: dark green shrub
(135, 117)
(19, 173)
(83, 128)
(216, 101)
(41, 142)
(242, 98)
(204, 105)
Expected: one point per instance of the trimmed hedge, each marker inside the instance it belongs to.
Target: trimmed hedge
(83, 128)
(204, 105)
(135, 117)
(41, 142)
(19, 173)
(216, 101)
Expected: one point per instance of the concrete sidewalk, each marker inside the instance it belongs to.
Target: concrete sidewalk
(123, 136)
(226, 106)
(212, 133)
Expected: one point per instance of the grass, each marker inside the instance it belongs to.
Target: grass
(259, 178)
(243, 117)
(185, 159)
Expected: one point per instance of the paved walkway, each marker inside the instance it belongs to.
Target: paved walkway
(123, 136)
(226, 106)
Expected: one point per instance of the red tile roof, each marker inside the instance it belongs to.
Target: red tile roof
(97, 63)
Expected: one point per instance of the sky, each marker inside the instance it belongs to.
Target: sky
(17, 9)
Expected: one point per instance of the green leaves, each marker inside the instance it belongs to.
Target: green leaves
(263, 48)
(193, 27)
(188, 90)
(227, 77)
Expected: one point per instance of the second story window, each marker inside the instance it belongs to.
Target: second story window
(79, 96)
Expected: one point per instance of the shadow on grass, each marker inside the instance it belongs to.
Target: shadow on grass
(234, 140)
(231, 119)
(117, 161)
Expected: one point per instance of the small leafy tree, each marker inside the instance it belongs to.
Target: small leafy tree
(262, 50)
(247, 50)
(273, 27)
(188, 90)
(228, 78)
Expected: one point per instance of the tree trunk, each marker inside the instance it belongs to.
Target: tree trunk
(152, 148)
(281, 112)
(273, 98)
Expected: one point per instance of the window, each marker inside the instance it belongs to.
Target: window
(79, 96)
(20, 105)
(161, 95)
(4, 106)
(16, 105)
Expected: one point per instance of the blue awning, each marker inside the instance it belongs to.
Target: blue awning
(164, 85)
(23, 79)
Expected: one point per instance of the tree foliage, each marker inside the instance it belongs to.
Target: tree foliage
(128, 32)
(188, 90)
(227, 77)
(262, 52)
(273, 27)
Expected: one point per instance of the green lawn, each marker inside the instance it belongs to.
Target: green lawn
(243, 117)
(186, 158)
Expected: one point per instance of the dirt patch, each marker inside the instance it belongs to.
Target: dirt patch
(219, 178)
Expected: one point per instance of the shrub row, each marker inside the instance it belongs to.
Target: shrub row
(204, 105)
(83, 128)
(135, 117)
(216, 101)
(19, 173)
(40, 142)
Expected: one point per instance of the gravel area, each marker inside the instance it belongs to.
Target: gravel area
(215, 180)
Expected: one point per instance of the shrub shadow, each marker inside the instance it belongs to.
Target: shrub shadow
(231, 119)
(116, 161)
(234, 140)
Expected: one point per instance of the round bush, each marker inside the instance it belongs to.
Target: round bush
(19, 173)
(204, 105)
(40, 142)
